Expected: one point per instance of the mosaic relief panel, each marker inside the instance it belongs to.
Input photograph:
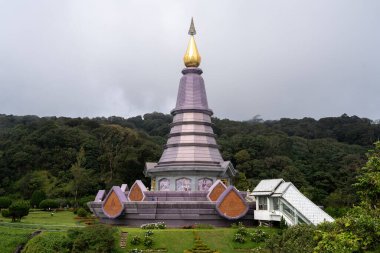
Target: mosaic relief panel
(231, 206)
(204, 184)
(164, 184)
(136, 193)
(112, 205)
(218, 189)
(183, 184)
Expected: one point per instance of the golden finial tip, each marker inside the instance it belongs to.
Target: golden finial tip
(192, 57)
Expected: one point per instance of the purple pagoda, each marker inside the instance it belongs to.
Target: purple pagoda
(191, 160)
(191, 183)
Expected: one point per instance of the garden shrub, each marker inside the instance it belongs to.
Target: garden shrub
(48, 243)
(83, 202)
(239, 238)
(157, 225)
(149, 233)
(357, 231)
(5, 213)
(283, 224)
(82, 213)
(48, 204)
(337, 212)
(135, 251)
(242, 230)
(258, 236)
(136, 240)
(148, 241)
(5, 202)
(199, 246)
(37, 197)
(295, 239)
(19, 209)
(94, 238)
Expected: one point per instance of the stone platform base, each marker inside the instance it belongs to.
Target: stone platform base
(176, 209)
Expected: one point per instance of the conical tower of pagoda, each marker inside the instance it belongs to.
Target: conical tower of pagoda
(191, 160)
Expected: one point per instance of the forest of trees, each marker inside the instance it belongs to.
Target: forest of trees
(72, 158)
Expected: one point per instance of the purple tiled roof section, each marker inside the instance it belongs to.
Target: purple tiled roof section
(191, 93)
(191, 153)
(191, 116)
(191, 139)
(191, 128)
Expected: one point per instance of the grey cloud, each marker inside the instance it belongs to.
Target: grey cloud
(291, 58)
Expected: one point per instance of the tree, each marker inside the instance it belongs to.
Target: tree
(368, 184)
(48, 204)
(37, 197)
(95, 238)
(242, 156)
(19, 209)
(5, 202)
(82, 178)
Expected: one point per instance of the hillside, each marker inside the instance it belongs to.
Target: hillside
(320, 157)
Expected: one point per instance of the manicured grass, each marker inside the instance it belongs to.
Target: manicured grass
(14, 233)
(44, 221)
(58, 218)
(222, 239)
(10, 238)
(178, 240)
(173, 240)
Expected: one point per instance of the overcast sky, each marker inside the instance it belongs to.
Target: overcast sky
(290, 58)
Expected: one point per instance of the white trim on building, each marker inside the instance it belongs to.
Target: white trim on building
(276, 198)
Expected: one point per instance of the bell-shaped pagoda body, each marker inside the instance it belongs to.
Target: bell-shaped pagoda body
(191, 160)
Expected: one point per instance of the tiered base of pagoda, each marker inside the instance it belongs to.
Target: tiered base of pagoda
(220, 206)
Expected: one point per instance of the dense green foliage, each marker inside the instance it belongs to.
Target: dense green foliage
(5, 202)
(11, 238)
(18, 209)
(357, 231)
(48, 243)
(81, 212)
(71, 158)
(368, 184)
(37, 197)
(49, 204)
(96, 239)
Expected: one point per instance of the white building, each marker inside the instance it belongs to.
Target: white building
(276, 198)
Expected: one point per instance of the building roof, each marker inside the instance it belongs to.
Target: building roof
(305, 206)
(267, 186)
(288, 192)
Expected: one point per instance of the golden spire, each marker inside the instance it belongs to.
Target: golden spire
(192, 57)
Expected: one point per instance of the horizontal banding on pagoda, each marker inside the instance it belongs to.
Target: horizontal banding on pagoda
(191, 133)
(184, 110)
(191, 144)
(188, 163)
(191, 70)
(191, 123)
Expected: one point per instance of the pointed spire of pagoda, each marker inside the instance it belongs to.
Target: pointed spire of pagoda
(192, 28)
(192, 57)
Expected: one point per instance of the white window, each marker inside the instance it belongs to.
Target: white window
(275, 203)
(263, 205)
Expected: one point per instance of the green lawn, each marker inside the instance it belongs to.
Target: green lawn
(173, 240)
(10, 238)
(14, 233)
(177, 240)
